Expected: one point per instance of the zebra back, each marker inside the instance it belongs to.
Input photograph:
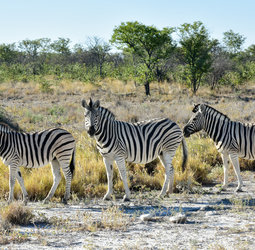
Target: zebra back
(139, 142)
(36, 149)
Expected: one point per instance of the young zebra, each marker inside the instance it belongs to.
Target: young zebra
(55, 146)
(232, 139)
(133, 142)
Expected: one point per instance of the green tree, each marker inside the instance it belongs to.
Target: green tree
(233, 41)
(148, 45)
(35, 52)
(98, 51)
(8, 53)
(195, 49)
(61, 46)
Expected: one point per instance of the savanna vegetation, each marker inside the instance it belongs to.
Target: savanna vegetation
(42, 83)
(186, 54)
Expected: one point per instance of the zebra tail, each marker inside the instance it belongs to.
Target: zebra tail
(185, 154)
(72, 163)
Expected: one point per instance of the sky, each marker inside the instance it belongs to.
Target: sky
(80, 19)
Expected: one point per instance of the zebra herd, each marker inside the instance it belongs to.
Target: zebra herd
(119, 141)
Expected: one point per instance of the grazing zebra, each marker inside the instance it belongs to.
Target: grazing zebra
(133, 142)
(55, 146)
(233, 139)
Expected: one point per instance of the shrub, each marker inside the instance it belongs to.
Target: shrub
(16, 214)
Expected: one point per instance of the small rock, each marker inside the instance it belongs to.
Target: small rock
(210, 213)
(178, 219)
(146, 217)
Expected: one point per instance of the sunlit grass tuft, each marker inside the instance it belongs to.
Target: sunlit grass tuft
(16, 214)
(111, 218)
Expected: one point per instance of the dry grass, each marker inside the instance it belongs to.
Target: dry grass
(16, 214)
(35, 109)
(111, 218)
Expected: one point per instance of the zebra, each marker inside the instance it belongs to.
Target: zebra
(32, 150)
(232, 139)
(140, 142)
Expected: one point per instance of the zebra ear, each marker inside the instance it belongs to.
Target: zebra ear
(84, 104)
(96, 104)
(90, 102)
(202, 107)
(195, 109)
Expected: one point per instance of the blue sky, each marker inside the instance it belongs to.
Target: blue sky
(77, 19)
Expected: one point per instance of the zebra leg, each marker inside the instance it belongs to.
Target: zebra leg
(109, 171)
(235, 161)
(68, 178)
(166, 160)
(123, 174)
(12, 178)
(225, 159)
(56, 179)
(21, 183)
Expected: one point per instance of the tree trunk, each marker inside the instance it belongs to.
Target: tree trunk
(194, 84)
(147, 88)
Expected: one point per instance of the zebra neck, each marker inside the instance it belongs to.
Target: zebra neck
(105, 131)
(214, 125)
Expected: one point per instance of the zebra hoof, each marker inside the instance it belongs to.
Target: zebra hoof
(106, 198)
(45, 201)
(64, 201)
(125, 199)
(25, 200)
(162, 195)
(238, 190)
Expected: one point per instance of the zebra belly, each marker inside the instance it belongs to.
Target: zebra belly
(249, 156)
(33, 165)
(141, 161)
(23, 163)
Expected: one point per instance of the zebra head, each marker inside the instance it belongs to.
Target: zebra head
(196, 122)
(92, 116)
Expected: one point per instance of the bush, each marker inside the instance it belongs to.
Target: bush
(231, 78)
(16, 214)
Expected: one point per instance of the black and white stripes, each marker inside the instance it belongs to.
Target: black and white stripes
(133, 142)
(55, 146)
(233, 139)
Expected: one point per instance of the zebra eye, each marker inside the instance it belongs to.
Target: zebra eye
(86, 113)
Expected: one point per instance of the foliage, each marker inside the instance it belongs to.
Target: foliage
(145, 54)
(221, 65)
(148, 45)
(233, 41)
(195, 48)
(7, 53)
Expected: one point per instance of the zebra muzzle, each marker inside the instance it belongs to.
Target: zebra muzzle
(91, 131)
(186, 132)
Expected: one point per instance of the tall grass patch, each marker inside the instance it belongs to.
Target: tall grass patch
(90, 179)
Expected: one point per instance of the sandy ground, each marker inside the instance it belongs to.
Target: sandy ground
(214, 220)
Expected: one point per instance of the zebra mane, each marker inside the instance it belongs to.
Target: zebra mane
(107, 111)
(7, 122)
(215, 110)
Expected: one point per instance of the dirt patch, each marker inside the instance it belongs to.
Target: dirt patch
(213, 221)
